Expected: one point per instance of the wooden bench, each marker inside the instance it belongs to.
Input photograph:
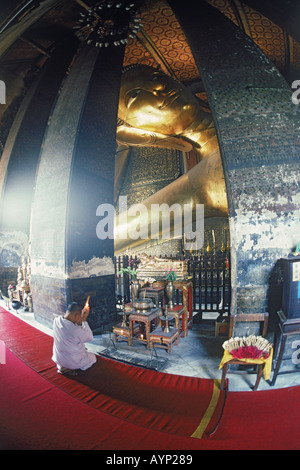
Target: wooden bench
(122, 332)
(177, 312)
(164, 340)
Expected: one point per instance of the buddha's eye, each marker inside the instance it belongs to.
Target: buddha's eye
(135, 92)
(130, 98)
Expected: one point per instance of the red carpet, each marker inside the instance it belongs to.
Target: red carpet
(165, 402)
(127, 407)
(36, 415)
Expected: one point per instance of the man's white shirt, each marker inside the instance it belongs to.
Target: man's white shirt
(68, 347)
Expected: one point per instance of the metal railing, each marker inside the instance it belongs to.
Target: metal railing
(210, 273)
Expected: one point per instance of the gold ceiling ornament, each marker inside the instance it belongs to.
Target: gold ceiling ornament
(108, 23)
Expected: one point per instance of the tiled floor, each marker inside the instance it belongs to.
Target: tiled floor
(198, 354)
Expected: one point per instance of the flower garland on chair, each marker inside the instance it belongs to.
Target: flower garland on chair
(250, 347)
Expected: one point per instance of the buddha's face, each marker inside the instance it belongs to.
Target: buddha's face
(153, 101)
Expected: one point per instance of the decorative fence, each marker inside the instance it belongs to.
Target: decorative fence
(209, 272)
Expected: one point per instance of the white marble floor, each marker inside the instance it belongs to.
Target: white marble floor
(197, 355)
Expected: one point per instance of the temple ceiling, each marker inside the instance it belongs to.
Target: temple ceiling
(163, 42)
(28, 38)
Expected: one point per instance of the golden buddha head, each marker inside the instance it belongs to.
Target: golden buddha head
(153, 101)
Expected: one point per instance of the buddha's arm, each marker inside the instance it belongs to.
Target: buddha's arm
(135, 137)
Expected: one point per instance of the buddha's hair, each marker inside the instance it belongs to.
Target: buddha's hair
(142, 66)
(151, 68)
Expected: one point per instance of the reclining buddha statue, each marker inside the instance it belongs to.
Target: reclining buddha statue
(155, 110)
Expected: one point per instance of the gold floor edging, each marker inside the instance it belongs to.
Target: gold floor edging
(198, 433)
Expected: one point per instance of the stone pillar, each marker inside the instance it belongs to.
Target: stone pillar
(75, 176)
(19, 160)
(258, 131)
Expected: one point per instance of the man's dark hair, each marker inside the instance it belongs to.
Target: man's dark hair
(73, 307)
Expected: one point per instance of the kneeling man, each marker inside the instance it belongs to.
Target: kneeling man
(70, 332)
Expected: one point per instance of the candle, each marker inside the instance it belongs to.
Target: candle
(87, 302)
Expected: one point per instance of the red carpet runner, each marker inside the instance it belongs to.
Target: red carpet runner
(185, 406)
(158, 411)
(37, 415)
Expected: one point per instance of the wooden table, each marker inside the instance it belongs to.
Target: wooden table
(176, 312)
(164, 340)
(145, 317)
(122, 332)
(157, 294)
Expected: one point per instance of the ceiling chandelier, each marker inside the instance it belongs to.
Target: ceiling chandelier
(108, 23)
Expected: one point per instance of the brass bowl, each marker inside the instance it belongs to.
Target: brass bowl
(142, 304)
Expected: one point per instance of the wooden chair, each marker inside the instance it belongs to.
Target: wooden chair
(263, 319)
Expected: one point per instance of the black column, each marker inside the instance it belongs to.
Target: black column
(75, 176)
(91, 185)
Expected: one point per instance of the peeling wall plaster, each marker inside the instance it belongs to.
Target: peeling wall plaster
(13, 246)
(42, 268)
(78, 270)
(266, 230)
(258, 242)
(95, 267)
